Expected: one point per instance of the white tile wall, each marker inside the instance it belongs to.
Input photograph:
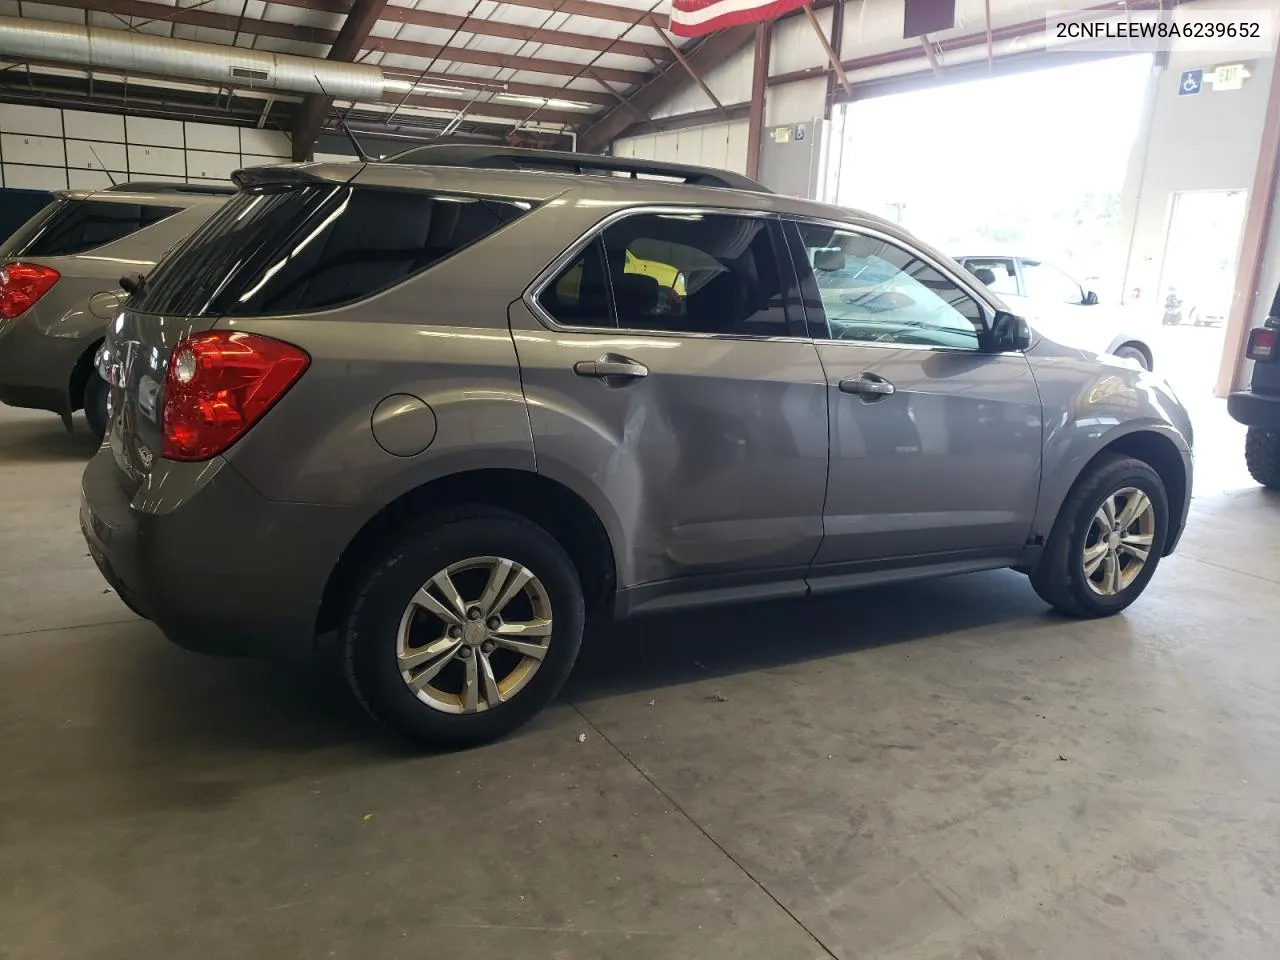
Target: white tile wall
(88, 179)
(17, 118)
(35, 178)
(206, 165)
(264, 143)
(48, 149)
(207, 136)
(30, 149)
(96, 155)
(156, 133)
(105, 127)
(153, 160)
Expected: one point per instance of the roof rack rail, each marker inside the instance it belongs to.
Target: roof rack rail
(557, 161)
(147, 186)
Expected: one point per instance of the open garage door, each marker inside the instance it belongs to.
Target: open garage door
(1032, 163)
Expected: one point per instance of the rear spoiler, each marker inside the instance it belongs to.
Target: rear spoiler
(295, 174)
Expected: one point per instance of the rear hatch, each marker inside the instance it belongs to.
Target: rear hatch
(290, 243)
(69, 247)
(216, 272)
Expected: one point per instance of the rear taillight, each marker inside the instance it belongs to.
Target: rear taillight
(218, 385)
(21, 285)
(1262, 344)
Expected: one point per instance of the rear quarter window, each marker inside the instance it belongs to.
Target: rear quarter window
(316, 247)
(77, 226)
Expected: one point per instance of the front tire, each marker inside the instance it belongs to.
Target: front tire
(1262, 456)
(465, 629)
(1106, 541)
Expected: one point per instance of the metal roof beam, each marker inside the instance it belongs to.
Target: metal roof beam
(315, 107)
(715, 48)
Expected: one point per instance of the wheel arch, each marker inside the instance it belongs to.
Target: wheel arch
(1163, 456)
(552, 505)
(1140, 345)
(81, 370)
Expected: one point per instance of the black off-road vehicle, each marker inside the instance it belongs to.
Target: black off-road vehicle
(1258, 408)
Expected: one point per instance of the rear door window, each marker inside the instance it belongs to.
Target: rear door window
(77, 226)
(298, 249)
(700, 273)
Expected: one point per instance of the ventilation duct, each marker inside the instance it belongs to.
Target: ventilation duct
(99, 48)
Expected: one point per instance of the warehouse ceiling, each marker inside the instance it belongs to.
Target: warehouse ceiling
(477, 66)
(527, 71)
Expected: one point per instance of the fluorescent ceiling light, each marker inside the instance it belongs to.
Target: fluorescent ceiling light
(545, 101)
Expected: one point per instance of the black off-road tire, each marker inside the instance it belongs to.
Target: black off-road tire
(95, 404)
(1262, 456)
(1059, 577)
(367, 637)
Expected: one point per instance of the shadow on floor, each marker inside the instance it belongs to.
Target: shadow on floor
(180, 701)
(653, 652)
(41, 438)
(186, 704)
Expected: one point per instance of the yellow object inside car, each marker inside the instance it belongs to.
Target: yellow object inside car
(666, 275)
(569, 284)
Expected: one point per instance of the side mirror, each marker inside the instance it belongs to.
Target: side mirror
(133, 283)
(1090, 298)
(1008, 332)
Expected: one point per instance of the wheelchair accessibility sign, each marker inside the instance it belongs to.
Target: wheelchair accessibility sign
(1191, 83)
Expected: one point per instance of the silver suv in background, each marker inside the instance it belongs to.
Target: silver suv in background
(59, 286)
(442, 406)
(1060, 306)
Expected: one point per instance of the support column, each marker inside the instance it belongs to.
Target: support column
(755, 114)
(1254, 242)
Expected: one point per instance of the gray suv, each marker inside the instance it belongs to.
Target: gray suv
(444, 406)
(59, 286)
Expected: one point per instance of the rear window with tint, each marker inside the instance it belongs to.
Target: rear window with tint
(291, 250)
(77, 226)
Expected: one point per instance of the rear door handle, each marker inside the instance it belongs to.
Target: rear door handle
(611, 367)
(868, 385)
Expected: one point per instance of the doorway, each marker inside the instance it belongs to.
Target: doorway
(1197, 279)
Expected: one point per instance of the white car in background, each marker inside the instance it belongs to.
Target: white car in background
(1060, 307)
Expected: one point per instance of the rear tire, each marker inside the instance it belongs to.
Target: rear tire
(386, 634)
(1262, 456)
(95, 404)
(1063, 578)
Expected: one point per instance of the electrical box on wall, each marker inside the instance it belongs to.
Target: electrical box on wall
(793, 159)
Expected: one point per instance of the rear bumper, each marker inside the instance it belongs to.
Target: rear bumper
(1255, 409)
(35, 369)
(218, 568)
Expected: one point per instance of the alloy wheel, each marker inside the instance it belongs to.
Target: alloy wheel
(473, 636)
(1119, 541)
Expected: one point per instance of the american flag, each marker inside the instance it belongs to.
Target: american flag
(693, 18)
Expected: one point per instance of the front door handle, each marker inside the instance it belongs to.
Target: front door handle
(611, 367)
(870, 386)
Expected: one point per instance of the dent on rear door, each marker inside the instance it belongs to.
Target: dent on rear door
(713, 463)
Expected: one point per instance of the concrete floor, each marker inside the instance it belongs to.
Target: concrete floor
(937, 771)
